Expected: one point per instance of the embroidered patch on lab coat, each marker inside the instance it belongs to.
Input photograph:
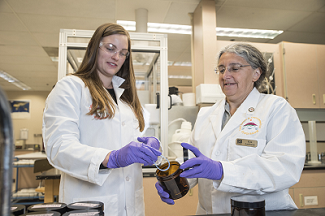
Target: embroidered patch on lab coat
(250, 126)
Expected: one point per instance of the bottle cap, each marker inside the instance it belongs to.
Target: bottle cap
(186, 125)
(248, 201)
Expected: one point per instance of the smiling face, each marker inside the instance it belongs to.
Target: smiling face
(236, 85)
(108, 63)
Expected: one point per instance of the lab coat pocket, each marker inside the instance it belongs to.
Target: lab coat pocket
(139, 202)
(240, 147)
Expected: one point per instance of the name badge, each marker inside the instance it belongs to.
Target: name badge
(246, 142)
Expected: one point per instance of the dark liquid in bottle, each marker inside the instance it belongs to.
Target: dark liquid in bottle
(176, 186)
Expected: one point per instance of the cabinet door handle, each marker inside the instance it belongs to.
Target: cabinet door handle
(314, 99)
(324, 98)
(301, 200)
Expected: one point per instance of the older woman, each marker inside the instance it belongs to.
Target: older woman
(248, 143)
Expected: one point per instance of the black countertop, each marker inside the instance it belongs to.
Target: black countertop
(49, 174)
(312, 166)
(56, 174)
(298, 212)
(150, 171)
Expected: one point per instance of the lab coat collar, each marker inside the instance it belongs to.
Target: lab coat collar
(216, 117)
(246, 109)
(117, 82)
(250, 103)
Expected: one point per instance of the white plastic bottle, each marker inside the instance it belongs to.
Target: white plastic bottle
(181, 135)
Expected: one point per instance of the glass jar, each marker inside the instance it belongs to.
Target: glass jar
(86, 205)
(176, 186)
(247, 205)
(45, 207)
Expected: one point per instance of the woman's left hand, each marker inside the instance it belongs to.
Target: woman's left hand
(151, 141)
(201, 166)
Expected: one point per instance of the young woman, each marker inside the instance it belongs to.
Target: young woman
(91, 124)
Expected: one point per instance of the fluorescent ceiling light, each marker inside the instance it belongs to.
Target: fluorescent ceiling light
(247, 33)
(54, 59)
(179, 77)
(186, 29)
(170, 63)
(182, 64)
(13, 80)
(158, 27)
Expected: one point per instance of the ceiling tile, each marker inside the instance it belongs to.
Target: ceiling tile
(243, 17)
(22, 50)
(157, 10)
(4, 7)
(31, 74)
(8, 86)
(47, 39)
(301, 37)
(313, 23)
(53, 24)
(71, 8)
(17, 38)
(289, 5)
(10, 22)
(322, 10)
(24, 60)
(44, 68)
(178, 13)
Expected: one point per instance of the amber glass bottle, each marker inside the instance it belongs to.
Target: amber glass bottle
(176, 186)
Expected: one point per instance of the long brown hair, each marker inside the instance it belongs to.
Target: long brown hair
(102, 103)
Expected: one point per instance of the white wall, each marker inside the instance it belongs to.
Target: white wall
(34, 123)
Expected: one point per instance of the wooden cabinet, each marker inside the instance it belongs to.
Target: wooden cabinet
(154, 206)
(304, 74)
(321, 74)
(309, 192)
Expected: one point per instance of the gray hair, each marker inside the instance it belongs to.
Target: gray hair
(251, 54)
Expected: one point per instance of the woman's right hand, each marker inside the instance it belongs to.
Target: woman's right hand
(164, 196)
(151, 141)
(133, 152)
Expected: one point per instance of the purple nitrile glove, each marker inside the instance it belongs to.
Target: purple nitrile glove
(151, 141)
(164, 196)
(133, 152)
(201, 166)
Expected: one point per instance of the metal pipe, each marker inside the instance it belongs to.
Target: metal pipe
(6, 155)
(141, 20)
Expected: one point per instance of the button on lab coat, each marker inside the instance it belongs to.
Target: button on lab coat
(77, 143)
(268, 169)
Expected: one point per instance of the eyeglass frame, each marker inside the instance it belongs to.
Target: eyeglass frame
(226, 68)
(114, 52)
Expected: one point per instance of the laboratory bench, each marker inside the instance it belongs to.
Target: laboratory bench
(311, 166)
(25, 184)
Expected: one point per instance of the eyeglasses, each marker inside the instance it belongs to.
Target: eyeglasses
(111, 48)
(231, 68)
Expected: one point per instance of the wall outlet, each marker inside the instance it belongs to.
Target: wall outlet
(311, 200)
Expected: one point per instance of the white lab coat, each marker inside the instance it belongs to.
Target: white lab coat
(77, 143)
(268, 169)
